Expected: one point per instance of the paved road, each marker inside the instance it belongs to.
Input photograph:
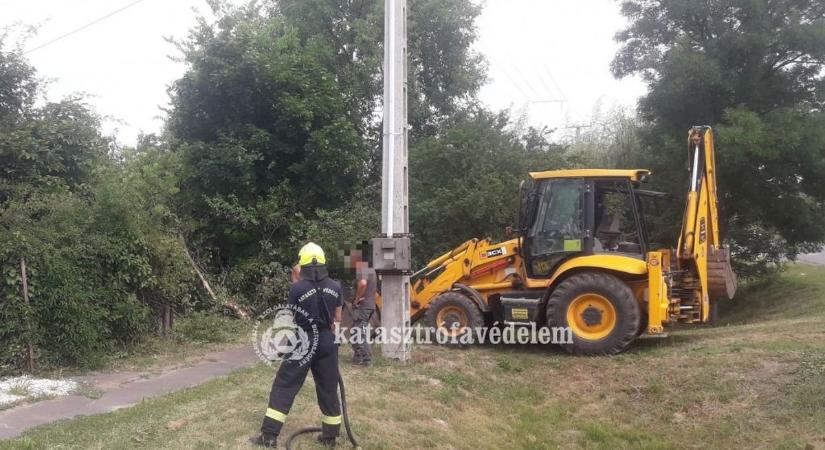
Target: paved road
(813, 258)
(123, 389)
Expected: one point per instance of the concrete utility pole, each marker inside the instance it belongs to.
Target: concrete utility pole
(391, 252)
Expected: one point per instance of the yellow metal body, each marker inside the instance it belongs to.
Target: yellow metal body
(658, 303)
(493, 268)
(633, 174)
(482, 268)
(486, 267)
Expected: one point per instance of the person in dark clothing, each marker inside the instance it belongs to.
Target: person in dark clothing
(316, 300)
(363, 307)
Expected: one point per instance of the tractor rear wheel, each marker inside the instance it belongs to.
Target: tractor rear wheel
(453, 314)
(601, 311)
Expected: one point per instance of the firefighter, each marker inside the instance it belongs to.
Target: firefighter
(317, 300)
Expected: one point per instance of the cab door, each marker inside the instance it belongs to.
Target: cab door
(558, 228)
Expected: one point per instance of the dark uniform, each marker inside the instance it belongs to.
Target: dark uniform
(319, 296)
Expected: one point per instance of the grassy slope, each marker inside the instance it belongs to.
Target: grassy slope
(757, 382)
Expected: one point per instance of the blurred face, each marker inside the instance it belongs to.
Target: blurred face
(356, 259)
(296, 273)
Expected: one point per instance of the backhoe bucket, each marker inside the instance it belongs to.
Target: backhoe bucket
(721, 278)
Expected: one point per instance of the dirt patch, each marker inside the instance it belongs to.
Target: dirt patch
(176, 425)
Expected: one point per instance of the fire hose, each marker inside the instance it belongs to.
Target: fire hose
(350, 435)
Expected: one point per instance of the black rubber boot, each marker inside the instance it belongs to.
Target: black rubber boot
(327, 442)
(265, 440)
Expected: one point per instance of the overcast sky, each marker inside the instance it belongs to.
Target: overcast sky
(542, 51)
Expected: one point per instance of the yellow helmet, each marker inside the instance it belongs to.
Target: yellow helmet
(309, 253)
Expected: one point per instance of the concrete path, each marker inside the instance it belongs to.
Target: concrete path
(123, 389)
(813, 258)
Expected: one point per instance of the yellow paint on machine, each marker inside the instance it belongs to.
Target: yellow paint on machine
(616, 263)
(633, 174)
(668, 285)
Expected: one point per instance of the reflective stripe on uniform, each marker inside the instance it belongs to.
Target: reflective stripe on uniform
(276, 415)
(331, 420)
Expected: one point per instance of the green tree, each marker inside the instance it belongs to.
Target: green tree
(444, 73)
(98, 234)
(276, 121)
(264, 132)
(464, 182)
(752, 69)
(19, 88)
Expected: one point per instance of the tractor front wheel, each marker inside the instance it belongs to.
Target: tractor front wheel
(453, 314)
(600, 310)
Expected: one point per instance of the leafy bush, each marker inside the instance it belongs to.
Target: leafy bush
(257, 283)
(94, 277)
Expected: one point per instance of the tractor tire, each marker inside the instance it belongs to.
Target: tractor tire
(454, 314)
(600, 310)
(642, 323)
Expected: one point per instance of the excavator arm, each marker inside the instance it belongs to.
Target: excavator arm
(700, 249)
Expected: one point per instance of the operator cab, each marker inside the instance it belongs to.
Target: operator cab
(569, 213)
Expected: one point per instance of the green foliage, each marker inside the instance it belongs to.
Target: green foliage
(265, 134)
(345, 38)
(444, 73)
(464, 182)
(75, 308)
(98, 234)
(752, 69)
(275, 125)
(58, 144)
(257, 282)
(340, 230)
(19, 88)
(97, 268)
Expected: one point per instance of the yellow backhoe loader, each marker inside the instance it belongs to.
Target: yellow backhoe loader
(582, 260)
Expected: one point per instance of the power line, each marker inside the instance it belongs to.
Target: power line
(544, 84)
(516, 85)
(515, 68)
(544, 95)
(77, 30)
(553, 80)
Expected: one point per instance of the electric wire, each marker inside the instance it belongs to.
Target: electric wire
(81, 28)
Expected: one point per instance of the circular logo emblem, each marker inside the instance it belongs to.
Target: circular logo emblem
(277, 335)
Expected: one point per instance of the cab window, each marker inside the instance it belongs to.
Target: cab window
(615, 221)
(557, 230)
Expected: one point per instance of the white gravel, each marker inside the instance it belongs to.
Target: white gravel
(15, 389)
